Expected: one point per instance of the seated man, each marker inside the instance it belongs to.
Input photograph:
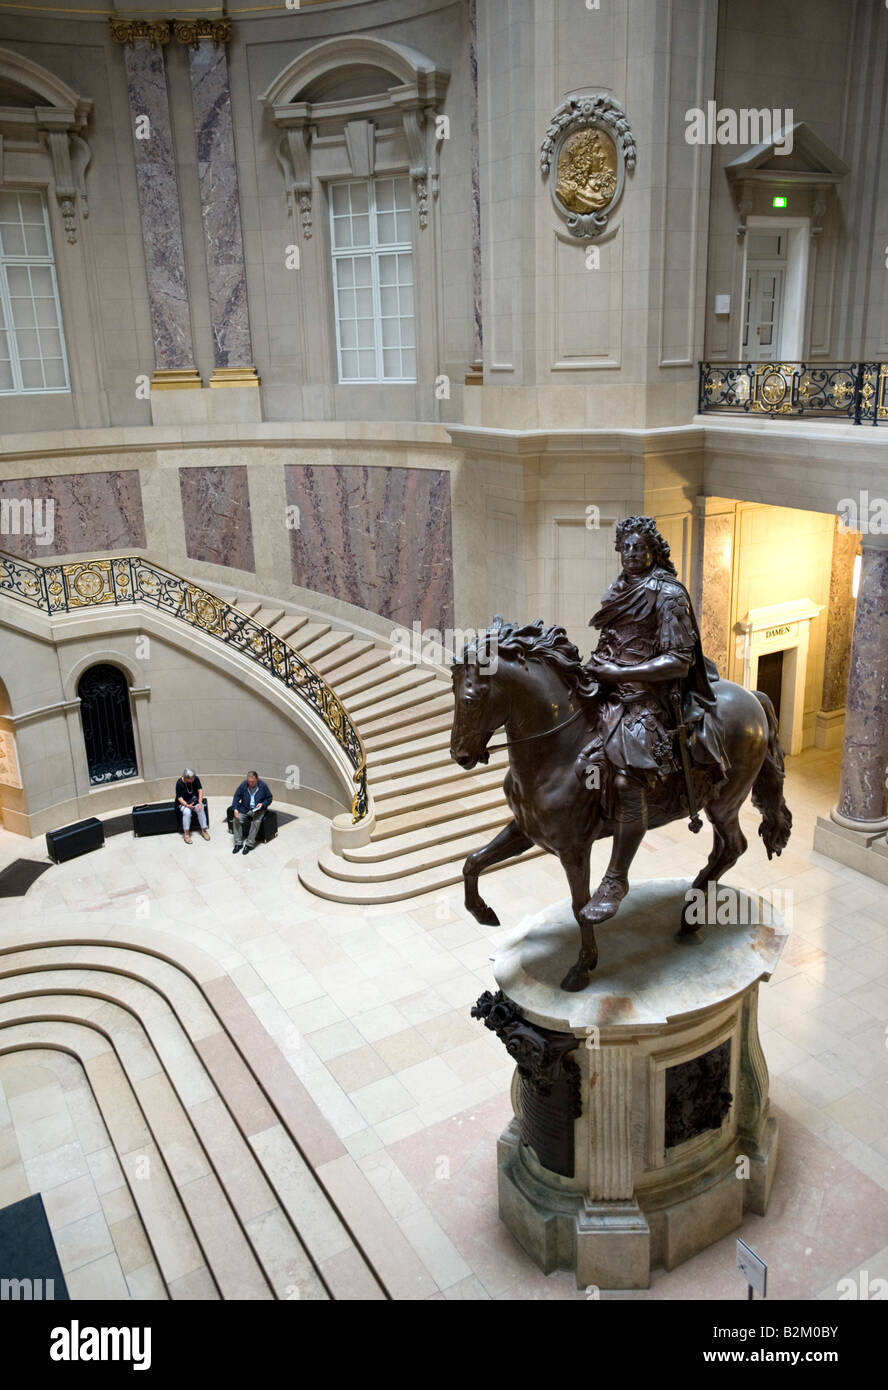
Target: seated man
(251, 800)
(189, 798)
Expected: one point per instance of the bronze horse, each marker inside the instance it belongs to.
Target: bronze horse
(532, 689)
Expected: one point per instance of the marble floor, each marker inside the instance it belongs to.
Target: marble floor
(369, 1007)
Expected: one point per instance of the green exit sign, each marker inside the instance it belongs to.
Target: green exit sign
(779, 201)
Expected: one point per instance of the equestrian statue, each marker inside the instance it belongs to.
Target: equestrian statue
(644, 733)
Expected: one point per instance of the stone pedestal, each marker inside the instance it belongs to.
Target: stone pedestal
(641, 1129)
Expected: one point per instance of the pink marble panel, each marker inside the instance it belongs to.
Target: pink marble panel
(376, 537)
(72, 514)
(216, 512)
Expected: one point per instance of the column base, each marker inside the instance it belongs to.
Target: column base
(234, 376)
(608, 1244)
(176, 379)
(877, 826)
(865, 851)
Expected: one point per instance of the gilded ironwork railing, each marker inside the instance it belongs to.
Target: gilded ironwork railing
(855, 391)
(94, 583)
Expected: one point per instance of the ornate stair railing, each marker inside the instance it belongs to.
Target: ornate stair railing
(98, 583)
(855, 391)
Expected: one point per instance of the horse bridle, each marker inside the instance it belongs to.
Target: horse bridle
(498, 747)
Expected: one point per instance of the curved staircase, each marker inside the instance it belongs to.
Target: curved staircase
(429, 813)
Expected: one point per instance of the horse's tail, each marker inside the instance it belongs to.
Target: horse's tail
(767, 789)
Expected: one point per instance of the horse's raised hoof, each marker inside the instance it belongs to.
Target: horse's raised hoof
(605, 901)
(485, 915)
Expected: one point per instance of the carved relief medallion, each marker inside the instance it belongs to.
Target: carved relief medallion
(591, 146)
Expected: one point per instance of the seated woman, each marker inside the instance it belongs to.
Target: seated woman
(189, 798)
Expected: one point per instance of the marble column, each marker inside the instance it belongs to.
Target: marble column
(716, 520)
(158, 194)
(475, 375)
(840, 624)
(862, 798)
(219, 199)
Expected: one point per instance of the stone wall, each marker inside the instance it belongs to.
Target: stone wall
(191, 706)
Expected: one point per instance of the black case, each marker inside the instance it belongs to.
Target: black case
(268, 828)
(71, 840)
(157, 818)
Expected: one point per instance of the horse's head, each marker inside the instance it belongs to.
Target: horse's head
(481, 702)
(523, 674)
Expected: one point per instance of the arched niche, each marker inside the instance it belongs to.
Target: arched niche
(355, 105)
(12, 800)
(42, 121)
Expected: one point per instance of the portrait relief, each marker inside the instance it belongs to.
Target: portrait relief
(586, 172)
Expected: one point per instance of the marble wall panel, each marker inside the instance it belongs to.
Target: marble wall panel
(159, 205)
(379, 538)
(840, 623)
(715, 614)
(91, 513)
(220, 204)
(216, 513)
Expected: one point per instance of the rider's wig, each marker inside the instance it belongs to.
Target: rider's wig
(647, 527)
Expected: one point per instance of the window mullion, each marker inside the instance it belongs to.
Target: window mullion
(6, 299)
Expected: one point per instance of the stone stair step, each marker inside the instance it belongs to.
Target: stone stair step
(267, 617)
(361, 672)
(435, 765)
(435, 814)
(289, 625)
(321, 646)
(414, 697)
(448, 784)
(425, 706)
(379, 871)
(308, 634)
(313, 877)
(389, 759)
(386, 687)
(396, 737)
(431, 839)
(340, 656)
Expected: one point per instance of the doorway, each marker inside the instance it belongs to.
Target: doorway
(764, 312)
(770, 678)
(107, 724)
(775, 277)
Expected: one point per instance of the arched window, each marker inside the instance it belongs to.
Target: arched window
(107, 724)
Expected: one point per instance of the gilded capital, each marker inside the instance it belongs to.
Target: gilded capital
(156, 31)
(192, 31)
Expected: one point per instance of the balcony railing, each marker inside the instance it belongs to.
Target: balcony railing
(855, 391)
(100, 583)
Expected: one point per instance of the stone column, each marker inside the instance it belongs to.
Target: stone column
(158, 193)
(475, 374)
(715, 520)
(219, 199)
(862, 798)
(840, 624)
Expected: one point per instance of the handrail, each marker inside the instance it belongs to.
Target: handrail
(54, 588)
(857, 391)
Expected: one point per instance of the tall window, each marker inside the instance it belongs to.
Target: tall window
(373, 280)
(107, 724)
(32, 348)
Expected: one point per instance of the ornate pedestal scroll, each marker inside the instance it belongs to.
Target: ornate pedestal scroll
(642, 1130)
